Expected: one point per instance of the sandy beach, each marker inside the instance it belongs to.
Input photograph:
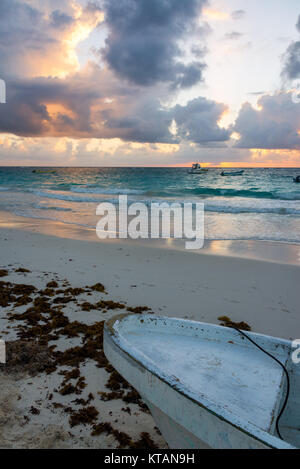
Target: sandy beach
(54, 396)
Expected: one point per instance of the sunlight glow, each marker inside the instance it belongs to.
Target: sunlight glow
(215, 15)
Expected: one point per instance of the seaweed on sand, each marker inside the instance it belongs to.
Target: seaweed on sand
(139, 309)
(110, 305)
(52, 284)
(30, 357)
(227, 322)
(98, 287)
(9, 293)
(124, 440)
(86, 415)
(44, 321)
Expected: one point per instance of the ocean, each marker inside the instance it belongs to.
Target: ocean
(263, 204)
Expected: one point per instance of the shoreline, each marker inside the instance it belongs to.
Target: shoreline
(269, 251)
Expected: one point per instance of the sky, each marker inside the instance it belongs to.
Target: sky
(150, 83)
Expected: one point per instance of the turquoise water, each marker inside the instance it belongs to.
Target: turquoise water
(262, 204)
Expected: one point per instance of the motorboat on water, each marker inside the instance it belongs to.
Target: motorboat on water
(297, 179)
(232, 173)
(44, 171)
(197, 169)
(207, 386)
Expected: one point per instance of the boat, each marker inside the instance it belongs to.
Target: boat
(197, 169)
(44, 171)
(297, 179)
(207, 386)
(232, 173)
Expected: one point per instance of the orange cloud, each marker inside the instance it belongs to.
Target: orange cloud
(215, 15)
(280, 158)
(57, 55)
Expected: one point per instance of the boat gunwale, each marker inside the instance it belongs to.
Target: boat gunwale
(247, 428)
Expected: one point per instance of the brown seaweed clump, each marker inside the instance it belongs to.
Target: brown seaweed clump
(45, 321)
(21, 289)
(124, 440)
(98, 287)
(139, 309)
(109, 305)
(3, 273)
(116, 382)
(145, 442)
(86, 415)
(15, 293)
(21, 270)
(23, 300)
(227, 322)
(52, 284)
(34, 411)
(29, 357)
(84, 402)
(86, 306)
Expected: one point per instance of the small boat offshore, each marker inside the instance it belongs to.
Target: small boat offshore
(232, 173)
(209, 386)
(197, 169)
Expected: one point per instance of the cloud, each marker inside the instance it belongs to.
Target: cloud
(274, 125)
(113, 152)
(238, 14)
(233, 36)
(93, 103)
(215, 15)
(291, 69)
(142, 44)
(256, 93)
(198, 121)
(36, 39)
(292, 62)
(60, 20)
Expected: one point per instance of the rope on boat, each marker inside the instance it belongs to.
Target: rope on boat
(286, 374)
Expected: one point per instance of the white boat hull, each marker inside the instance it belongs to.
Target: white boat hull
(199, 171)
(185, 422)
(237, 173)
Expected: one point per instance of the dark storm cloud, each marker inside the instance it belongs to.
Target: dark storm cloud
(198, 121)
(146, 122)
(83, 111)
(292, 62)
(60, 19)
(26, 113)
(20, 27)
(142, 45)
(291, 69)
(96, 102)
(274, 126)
